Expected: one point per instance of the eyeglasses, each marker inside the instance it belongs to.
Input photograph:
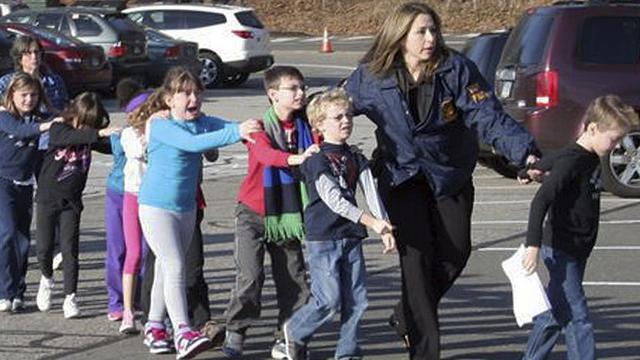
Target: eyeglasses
(295, 88)
(32, 52)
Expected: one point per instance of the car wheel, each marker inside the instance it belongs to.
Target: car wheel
(211, 73)
(236, 79)
(500, 165)
(621, 168)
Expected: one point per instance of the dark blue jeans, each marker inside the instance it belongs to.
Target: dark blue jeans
(16, 209)
(338, 283)
(568, 312)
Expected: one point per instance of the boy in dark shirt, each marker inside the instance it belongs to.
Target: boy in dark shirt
(571, 196)
(335, 227)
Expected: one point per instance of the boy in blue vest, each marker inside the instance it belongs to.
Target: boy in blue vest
(335, 227)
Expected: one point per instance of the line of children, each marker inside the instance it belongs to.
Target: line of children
(570, 195)
(167, 204)
(269, 213)
(21, 123)
(335, 227)
(62, 179)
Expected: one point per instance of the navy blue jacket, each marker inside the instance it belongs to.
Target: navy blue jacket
(18, 146)
(445, 147)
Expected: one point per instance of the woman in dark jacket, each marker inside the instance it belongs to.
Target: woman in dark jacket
(430, 105)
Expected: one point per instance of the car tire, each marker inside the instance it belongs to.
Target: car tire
(236, 79)
(212, 72)
(500, 165)
(621, 168)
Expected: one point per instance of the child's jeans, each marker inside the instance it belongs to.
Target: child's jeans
(338, 283)
(568, 311)
(16, 202)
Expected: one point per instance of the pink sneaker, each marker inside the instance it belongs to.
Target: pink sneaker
(190, 343)
(114, 315)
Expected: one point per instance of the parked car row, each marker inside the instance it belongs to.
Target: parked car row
(555, 61)
(224, 44)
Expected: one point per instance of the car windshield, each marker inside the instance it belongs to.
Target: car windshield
(248, 18)
(528, 41)
(610, 40)
(157, 36)
(53, 36)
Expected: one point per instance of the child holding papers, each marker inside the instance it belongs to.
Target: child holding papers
(571, 196)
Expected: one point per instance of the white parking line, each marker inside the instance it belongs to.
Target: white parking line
(527, 201)
(284, 39)
(339, 67)
(314, 39)
(356, 38)
(611, 283)
(511, 249)
(516, 222)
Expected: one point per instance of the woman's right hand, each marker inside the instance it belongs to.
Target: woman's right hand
(247, 127)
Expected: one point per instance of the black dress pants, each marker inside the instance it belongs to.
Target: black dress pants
(434, 244)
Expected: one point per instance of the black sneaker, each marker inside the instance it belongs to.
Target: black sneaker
(295, 351)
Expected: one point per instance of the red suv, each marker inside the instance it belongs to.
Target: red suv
(560, 57)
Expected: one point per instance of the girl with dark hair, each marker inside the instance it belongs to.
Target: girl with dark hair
(61, 182)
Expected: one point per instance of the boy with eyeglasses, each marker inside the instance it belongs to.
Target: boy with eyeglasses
(269, 212)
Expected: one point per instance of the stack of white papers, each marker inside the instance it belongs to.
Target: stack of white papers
(529, 297)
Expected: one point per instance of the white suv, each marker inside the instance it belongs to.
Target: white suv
(233, 42)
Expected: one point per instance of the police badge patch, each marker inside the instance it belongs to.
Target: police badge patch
(449, 111)
(476, 93)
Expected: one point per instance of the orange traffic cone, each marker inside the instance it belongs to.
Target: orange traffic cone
(326, 43)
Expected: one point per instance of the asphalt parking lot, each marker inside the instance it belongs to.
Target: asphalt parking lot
(476, 316)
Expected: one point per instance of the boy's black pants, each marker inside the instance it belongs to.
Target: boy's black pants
(65, 215)
(197, 289)
(434, 244)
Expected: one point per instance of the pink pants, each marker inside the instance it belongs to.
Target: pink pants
(132, 234)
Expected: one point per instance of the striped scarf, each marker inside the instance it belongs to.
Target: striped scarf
(284, 196)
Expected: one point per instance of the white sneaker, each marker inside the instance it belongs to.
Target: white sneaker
(5, 305)
(57, 261)
(70, 307)
(17, 305)
(43, 299)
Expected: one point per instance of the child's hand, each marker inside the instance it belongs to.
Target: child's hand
(247, 127)
(162, 114)
(109, 131)
(389, 242)
(381, 227)
(530, 259)
(311, 150)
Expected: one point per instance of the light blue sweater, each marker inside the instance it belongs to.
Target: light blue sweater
(175, 154)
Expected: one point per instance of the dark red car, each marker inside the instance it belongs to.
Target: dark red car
(82, 66)
(560, 57)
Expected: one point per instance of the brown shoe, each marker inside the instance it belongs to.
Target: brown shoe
(215, 332)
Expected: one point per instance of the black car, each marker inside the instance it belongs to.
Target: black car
(166, 52)
(485, 51)
(6, 62)
(124, 43)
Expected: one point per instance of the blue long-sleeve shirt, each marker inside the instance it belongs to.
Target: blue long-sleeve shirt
(18, 146)
(115, 180)
(174, 153)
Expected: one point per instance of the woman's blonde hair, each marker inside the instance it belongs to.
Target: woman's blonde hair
(388, 43)
(609, 111)
(19, 81)
(87, 110)
(317, 108)
(154, 103)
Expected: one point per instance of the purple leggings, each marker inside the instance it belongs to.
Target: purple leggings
(115, 248)
(132, 234)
